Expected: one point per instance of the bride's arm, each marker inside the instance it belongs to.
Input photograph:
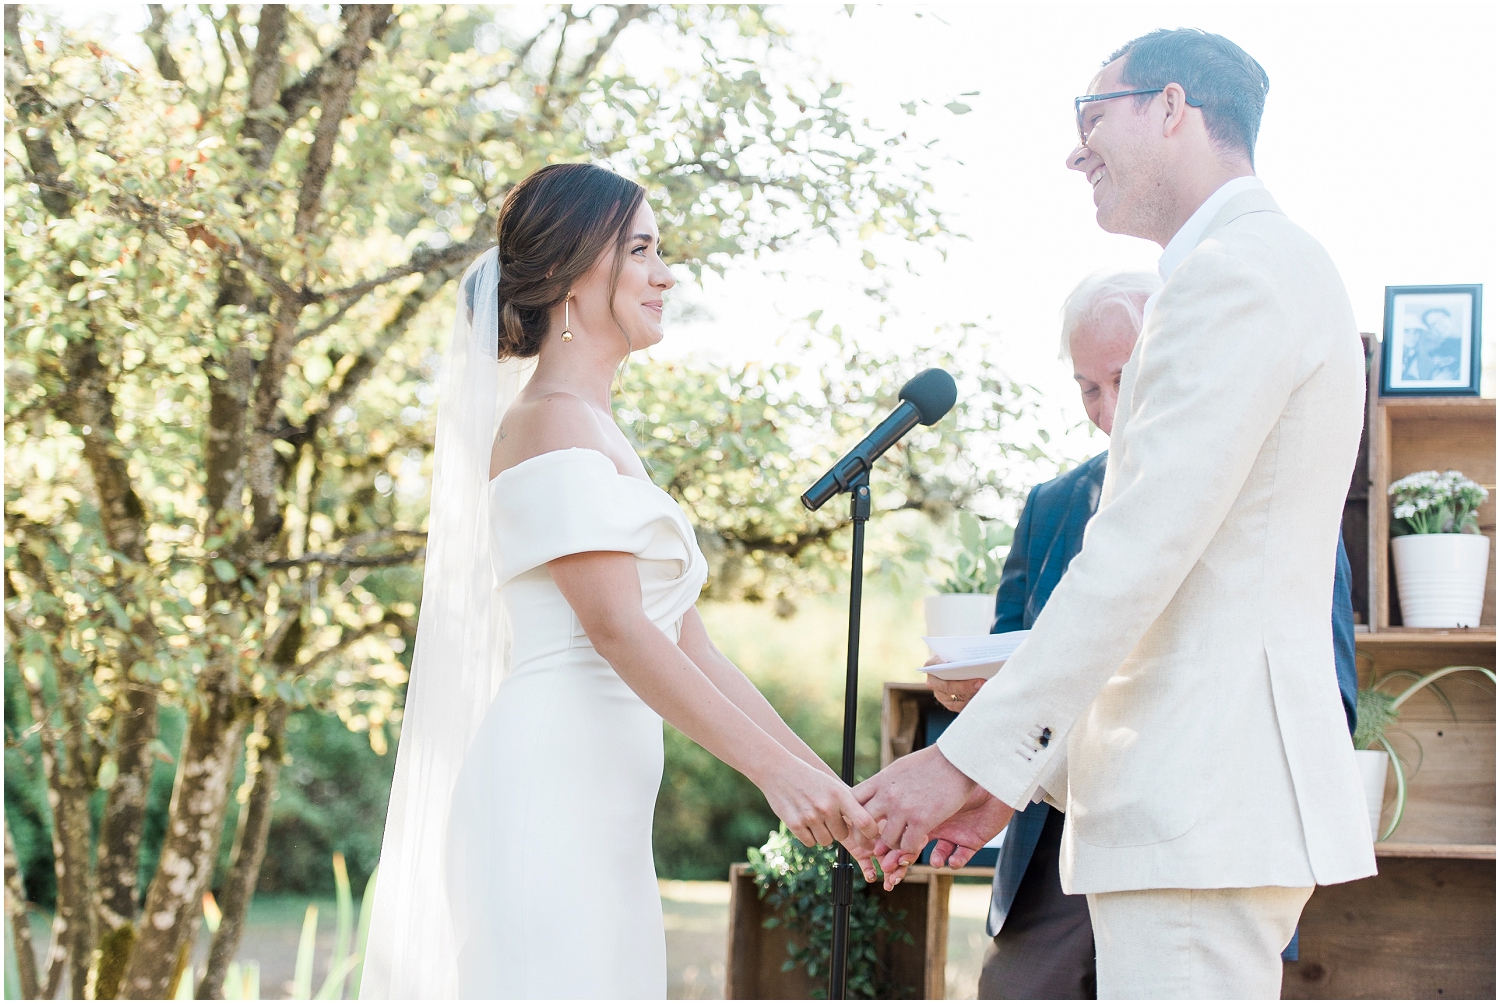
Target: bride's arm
(733, 684)
(604, 590)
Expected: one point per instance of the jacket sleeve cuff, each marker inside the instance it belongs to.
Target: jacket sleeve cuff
(1012, 779)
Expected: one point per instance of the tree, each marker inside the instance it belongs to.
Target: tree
(229, 268)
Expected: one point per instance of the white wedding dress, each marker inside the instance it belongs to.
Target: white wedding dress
(517, 853)
(550, 876)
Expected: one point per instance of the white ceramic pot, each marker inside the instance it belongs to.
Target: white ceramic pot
(951, 614)
(1440, 578)
(1373, 765)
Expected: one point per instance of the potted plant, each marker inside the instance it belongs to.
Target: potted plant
(1441, 557)
(1375, 712)
(965, 604)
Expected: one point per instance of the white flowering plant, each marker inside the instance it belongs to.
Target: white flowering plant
(1429, 502)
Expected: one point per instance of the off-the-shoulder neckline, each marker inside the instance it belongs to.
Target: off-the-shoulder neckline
(571, 449)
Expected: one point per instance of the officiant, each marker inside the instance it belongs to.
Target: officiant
(1043, 940)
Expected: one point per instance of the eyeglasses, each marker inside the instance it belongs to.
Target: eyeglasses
(1078, 103)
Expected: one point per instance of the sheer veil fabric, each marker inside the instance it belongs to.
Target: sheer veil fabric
(460, 657)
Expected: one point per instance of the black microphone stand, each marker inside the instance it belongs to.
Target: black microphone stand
(843, 869)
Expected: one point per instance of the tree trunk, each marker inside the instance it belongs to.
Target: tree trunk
(76, 781)
(195, 822)
(119, 851)
(74, 888)
(68, 790)
(20, 923)
(264, 751)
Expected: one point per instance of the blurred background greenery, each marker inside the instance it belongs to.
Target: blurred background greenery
(232, 234)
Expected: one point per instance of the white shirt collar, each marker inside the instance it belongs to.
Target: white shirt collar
(1187, 238)
(1191, 232)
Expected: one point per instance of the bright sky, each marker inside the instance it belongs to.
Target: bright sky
(1377, 139)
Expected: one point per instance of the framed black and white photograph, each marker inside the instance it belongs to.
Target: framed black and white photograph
(1431, 341)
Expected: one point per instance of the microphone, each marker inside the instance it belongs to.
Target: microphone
(925, 399)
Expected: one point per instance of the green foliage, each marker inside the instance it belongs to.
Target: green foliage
(706, 813)
(737, 445)
(180, 245)
(331, 799)
(26, 811)
(1376, 711)
(977, 567)
(346, 960)
(797, 883)
(1373, 714)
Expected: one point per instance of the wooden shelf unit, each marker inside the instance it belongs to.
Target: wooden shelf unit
(1424, 927)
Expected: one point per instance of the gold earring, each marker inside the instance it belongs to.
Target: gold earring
(567, 335)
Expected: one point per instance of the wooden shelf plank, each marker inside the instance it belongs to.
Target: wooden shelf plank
(1450, 852)
(1426, 636)
(978, 871)
(1440, 407)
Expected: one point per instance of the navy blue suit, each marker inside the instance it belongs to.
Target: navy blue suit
(1048, 535)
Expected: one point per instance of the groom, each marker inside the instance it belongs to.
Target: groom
(1177, 697)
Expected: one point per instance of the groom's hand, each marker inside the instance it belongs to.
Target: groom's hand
(912, 797)
(980, 821)
(955, 840)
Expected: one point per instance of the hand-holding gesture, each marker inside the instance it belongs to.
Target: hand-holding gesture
(915, 796)
(958, 838)
(819, 808)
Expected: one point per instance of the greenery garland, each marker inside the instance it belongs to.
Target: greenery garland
(797, 883)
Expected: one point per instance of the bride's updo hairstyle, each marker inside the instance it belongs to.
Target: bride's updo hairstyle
(552, 229)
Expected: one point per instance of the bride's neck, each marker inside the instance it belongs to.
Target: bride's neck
(579, 367)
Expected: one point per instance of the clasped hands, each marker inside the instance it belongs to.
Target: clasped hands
(918, 798)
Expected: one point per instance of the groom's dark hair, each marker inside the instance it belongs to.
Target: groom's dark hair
(1212, 69)
(552, 229)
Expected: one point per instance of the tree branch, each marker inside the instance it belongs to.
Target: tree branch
(360, 27)
(350, 561)
(31, 106)
(231, 24)
(422, 260)
(624, 15)
(156, 41)
(362, 23)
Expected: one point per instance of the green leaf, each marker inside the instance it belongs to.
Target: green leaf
(958, 108)
(223, 570)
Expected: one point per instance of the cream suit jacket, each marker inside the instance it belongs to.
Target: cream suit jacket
(1177, 695)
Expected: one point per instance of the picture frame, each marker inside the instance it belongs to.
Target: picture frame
(1431, 341)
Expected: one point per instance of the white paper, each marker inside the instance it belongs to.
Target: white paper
(971, 648)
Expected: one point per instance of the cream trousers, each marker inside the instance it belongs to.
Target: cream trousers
(1193, 943)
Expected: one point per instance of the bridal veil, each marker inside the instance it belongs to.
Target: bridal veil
(458, 661)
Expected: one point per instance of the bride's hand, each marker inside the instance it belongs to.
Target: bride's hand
(819, 809)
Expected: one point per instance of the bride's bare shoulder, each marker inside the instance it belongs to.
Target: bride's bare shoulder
(543, 424)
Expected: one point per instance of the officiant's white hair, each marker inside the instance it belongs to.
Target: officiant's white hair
(1101, 293)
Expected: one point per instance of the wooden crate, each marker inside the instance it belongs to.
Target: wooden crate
(903, 709)
(1423, 928)
(756, 953)
(1449, 755)
(1423, 434)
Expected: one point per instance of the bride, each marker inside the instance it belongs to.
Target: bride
(557, 630)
